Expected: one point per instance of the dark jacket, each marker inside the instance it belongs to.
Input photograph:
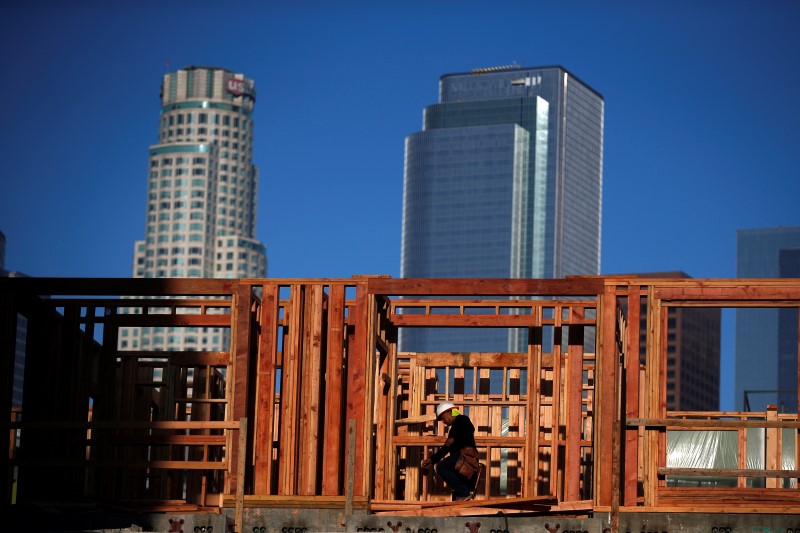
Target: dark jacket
(463, 434)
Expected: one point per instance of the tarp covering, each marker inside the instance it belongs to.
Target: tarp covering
(719, 449)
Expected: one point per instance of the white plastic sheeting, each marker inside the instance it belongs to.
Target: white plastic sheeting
(719, 449)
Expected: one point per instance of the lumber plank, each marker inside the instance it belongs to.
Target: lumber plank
(472, 359)
(486, 287)
(123, 464)
(241, 336)
(357, 379)
(310, 389)
(711, 425)
(332, 482)
(395, 391)
(154, 320)
(651, 400)
(574, 401)
(290, 392)
(631, 384)
(265, 389)
(533, 419)
(712, 508)
(382, 424)
(729, 472)
(295, 502)
(740, 291)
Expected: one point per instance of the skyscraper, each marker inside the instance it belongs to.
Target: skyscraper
(693, 352)
(22, 332)
(766, 339)
(202, 192)
(503, 181)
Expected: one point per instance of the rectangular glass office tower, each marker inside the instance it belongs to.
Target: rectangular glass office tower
(503, 181)
(766, 339)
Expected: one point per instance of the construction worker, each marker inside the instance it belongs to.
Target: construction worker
(460, 437)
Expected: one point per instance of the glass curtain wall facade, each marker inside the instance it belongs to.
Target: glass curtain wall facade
(766, 339)
(201, 196)
(503, 181)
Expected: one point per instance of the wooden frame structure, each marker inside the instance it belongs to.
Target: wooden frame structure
(312, 405)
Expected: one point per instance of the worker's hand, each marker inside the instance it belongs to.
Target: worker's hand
(425, 464)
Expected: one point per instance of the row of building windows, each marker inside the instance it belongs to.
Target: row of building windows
(175, 261)
(179, 182)
(180, 193)
(168, 161)
(199, 171)
(176, 119)
(175, 273)
(178, 237)
(243, 269)
(176, 205)
(177, 215)
(159, 341)
(223, 200)
(196, 250)
(188, 132)
(242, 255)
(176, 226)
(147, 330)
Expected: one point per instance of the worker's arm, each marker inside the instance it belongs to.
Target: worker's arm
(435, 458)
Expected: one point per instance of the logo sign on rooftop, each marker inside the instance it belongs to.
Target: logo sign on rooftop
(237, 87)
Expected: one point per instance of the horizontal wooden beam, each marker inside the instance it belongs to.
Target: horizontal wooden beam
(177, 425)
(714, 507)
(296, 502)
(462, 321)
(421, 419)
(122, 286)
(671, 423)
(180, 440)
(472, 359)
(149, 303)
(182, 358)
(728, 472)
(219, 321)
(486, 287)
(490, 303)
(160, 465)
(416, 440)
(739, 291)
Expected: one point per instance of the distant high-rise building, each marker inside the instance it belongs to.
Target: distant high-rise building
(693, 353)
(503, 181)
(766, 339)
(22, 333)
(202, 193)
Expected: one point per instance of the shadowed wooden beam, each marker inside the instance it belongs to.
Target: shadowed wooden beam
(332, 478)
(265, 392)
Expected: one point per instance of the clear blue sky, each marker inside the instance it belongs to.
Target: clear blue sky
(701, 120)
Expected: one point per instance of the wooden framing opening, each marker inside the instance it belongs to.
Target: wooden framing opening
(574, 419)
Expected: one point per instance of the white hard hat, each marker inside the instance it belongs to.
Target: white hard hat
(442, 407)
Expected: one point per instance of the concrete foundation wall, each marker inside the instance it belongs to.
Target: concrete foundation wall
(328, 520)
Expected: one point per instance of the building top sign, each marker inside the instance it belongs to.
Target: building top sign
(238, 87)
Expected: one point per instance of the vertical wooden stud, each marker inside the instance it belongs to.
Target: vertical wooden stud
(291, 373)
(574, 403)
(240, 356)
(632, 365)
(334, 393)
(265, 393)
(606, 397)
